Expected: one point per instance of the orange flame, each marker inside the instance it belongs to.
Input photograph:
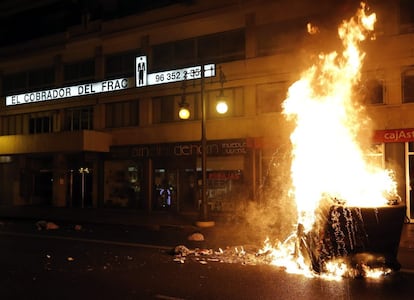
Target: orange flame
(329, 164)
(327, 160)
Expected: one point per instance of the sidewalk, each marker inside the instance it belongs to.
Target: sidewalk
(98, 216)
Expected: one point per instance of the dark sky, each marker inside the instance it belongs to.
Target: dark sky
(22, 20)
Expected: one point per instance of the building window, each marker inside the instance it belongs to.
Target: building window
(165, 109)
(28, 80)
(79, 119)
(408, 86)
(121, 65)
(406, 16)
(79, 71)
(43, 124)
(375, 156)
(122, 114)
(173, 55)
(270, 97)
(12, 125)
(280, 37)
(216, 48)
(373, 92)
(221, 47)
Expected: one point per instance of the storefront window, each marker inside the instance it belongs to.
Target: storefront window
(224, 189)
(123, 184)
(165, 187)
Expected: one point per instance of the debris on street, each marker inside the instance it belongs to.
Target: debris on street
(77, 227)
(196, 236)
(45, 225)
(247, 255)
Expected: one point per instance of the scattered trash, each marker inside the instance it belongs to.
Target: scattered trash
(180, 259)
(246, 255)
(182, 251)
(196, 236)
(45, 225)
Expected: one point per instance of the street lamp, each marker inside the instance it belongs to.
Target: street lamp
(184, 113)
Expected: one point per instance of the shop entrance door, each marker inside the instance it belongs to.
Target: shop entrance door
(165, 189)
(80, 188)
(409, 170)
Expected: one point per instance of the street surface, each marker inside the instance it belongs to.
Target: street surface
(118, 262)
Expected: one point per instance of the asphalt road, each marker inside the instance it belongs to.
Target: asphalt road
(101, 263)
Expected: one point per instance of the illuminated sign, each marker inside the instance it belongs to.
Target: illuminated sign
(394, 135)
(180, 74)
(189, 73)
(142, 79)
(70, 91)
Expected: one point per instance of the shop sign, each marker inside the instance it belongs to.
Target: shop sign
(394, 135)
(70, 91)
(189, 73)
(214, 148)
(225, 175)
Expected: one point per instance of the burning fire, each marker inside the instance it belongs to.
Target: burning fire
(329, 164)
(327, 158)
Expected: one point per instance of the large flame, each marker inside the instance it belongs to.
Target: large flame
(328, 162)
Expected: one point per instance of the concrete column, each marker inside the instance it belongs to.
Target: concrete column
(59, 180)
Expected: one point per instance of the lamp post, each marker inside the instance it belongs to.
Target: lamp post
(184, 113)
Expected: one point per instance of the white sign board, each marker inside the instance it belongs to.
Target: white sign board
(70, 91)
(189, 73)
(180, 74)
(142, 79)
(141, 71)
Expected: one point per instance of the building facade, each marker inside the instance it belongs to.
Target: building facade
(78, 130)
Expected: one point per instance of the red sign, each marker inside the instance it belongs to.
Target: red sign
(394, 135)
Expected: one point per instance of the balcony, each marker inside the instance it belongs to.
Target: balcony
(74, 141)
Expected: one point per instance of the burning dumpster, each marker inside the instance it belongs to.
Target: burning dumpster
(362, 239)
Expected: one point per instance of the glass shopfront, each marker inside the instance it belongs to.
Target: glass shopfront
(169, 177)
(123, 184)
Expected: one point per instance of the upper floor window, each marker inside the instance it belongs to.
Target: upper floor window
(175, 54)
(373, 91)
(165, 109)
(280, 36)
(122, 114)
(78, 119)
(408, 86)
(28, 80)
(79, 71)
(270, 97)
(406, 16)
(13, 124)
(221, 47)
(120, 65)
(41, 124)
(30, 123)
(214, 48)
